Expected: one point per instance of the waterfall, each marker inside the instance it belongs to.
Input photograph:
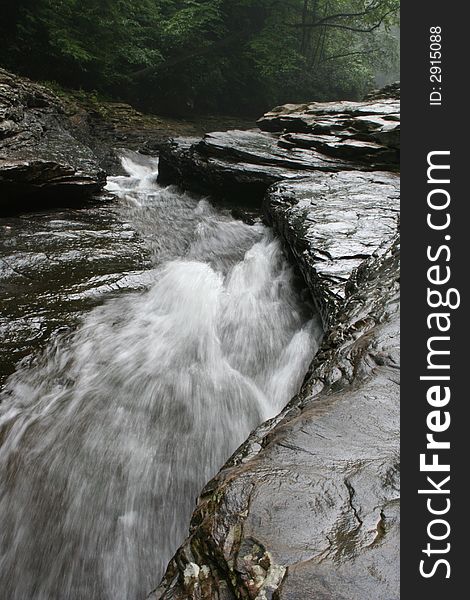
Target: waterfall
(109, 436)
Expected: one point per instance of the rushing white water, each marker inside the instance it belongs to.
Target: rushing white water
(108, 438)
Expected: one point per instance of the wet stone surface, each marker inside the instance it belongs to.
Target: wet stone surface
(239, 165)
(331, 223)
(41, 157)
(292, 140)
(56, 265)
(308, 507)
(109, 436)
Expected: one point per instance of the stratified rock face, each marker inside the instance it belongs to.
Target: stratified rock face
(39, 154)
(331, 222)
(295, 139)
(392, 90)
(238, 164)
(308, 506)
(367, 132)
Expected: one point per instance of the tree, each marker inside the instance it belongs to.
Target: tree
(215, 55)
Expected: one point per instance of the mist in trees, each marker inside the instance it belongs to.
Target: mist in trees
(177, 56)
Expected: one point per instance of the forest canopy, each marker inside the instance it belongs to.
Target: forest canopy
(203, 55)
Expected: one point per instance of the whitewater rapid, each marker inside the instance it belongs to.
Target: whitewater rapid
(109, 436)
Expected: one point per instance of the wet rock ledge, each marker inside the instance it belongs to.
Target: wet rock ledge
(331, 223)
(308, 507)
(41, 153)
(291, 142)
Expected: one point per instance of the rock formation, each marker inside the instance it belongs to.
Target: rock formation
(39, 153)
(331, 222)
(308, 507)
(56, 147)
(294, 140)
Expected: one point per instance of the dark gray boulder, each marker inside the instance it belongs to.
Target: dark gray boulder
(308, 506)
(40, 155)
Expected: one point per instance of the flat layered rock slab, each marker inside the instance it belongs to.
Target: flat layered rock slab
(276, 119)
(181, 164)
(308, 507)
(342, 146)
(367, 131)
(294, 138)
(240, 164)
(262, 148)
(331, 223)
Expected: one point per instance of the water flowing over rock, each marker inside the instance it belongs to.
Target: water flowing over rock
(40, 155)
(125, 418)
(308, 507)
(58, 263)
(109, 434)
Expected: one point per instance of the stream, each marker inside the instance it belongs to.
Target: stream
(109, 432)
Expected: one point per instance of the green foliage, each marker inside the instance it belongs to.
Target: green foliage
(213, 55)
